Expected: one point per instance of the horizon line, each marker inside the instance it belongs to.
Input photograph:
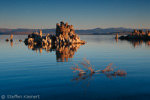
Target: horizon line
(76, 29)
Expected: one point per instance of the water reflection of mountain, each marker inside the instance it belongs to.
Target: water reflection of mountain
(63, 52)
(136, 43)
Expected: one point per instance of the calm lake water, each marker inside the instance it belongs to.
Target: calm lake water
(28, 70)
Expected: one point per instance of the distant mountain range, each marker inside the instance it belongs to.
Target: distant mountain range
(96, 31)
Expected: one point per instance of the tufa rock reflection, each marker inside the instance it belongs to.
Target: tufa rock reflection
(11, 43)
(136, 43)
(63, 52)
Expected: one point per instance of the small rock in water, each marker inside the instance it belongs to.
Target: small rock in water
(7, 40)
(20, 40)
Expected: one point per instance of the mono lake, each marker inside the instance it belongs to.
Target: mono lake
(46, 71)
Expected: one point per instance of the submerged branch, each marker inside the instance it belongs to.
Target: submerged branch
(87, 70)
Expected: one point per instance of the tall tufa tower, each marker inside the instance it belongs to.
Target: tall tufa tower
(41, 33)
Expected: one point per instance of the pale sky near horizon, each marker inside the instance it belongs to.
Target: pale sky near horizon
(83, 14)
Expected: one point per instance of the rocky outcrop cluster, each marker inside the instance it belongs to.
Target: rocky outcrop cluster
(137, 34)
(65, 34)
(38, 39)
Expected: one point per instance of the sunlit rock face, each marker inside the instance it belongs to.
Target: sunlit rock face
(137, 33)
(65, 34)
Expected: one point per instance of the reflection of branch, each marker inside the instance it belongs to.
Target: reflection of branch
(77, 68)
(89, 71)
(116, 73)
(108, 68)
(86, 64)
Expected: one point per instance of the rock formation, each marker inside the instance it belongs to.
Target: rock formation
(116, 36)
(7, 40)
(20, 40)
(137, 34)
(11, 37)
(65, 35)
(37, 39)
(65, 42)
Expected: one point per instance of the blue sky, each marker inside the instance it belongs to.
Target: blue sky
(83, 14)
